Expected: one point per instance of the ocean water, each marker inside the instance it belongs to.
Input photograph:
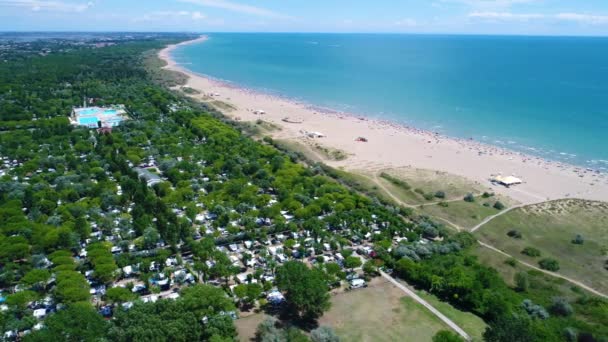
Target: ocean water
(546, 96)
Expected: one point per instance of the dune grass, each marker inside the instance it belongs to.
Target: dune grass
(550, 227)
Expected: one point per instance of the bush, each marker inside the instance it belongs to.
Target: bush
(570, 334)
(535, 310)
(498, 205)
(469, 198)
(446, 336)
(531, 252)
(561, 307)
(522, 281)
(443, 204)
(428, 196)
(419, 191)
(511, 262)
(440, 194)
(515, 234)
(549, 264)
(324, 334)
(487, 195)
(578, 240)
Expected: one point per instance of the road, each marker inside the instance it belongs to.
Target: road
(426, 304)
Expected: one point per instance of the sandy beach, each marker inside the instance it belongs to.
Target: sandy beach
(391, 145)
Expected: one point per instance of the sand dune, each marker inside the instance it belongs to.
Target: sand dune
(394, 145)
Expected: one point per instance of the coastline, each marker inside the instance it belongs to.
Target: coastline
(390, 145)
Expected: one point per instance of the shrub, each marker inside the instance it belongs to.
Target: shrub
(531, 252)
(561, 307)
(549, 264)
(419, 191)
(447, 336)
(498, 205)
(487, 195)
(324, 334)
(511, 262)
(469, 198)
(429, 196)
(522, 281)
(443, 204)
(578, 240)
(570, 334)
(535, 310)
(515, 234)
(440, 194)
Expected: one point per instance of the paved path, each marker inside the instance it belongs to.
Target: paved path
(557, 275)
(426, 304)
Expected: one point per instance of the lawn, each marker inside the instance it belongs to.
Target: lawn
(380, 313)
(550, 227)
(464, 214)
(470, 323)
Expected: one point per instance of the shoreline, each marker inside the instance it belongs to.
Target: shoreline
(392, 145)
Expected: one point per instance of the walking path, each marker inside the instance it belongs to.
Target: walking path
(557, 275)
(490, 218)
(426, 304)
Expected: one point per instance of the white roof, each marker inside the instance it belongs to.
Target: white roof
(507, 180)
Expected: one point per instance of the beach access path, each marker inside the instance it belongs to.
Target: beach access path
(427, 305)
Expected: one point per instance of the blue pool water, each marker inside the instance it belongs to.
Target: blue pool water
(110, 112)
(542, 95)
(88, 111)
(87, 120)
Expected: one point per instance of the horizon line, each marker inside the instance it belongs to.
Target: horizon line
(318, 32)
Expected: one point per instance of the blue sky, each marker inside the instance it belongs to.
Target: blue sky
(537, 17)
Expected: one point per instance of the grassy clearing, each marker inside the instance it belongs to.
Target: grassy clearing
(464, 214)
(429, 182)
(551, 227)
(470, 323)
(543, 288)
(247, 326)
(380, 313)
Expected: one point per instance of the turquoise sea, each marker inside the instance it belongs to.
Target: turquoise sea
(546, 96)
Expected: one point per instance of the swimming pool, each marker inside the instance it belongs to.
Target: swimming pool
(110, 112)
(87, 111)
(88, 120)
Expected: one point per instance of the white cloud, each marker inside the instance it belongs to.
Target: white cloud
(583, 18)
(489, 4)
(505, 16)
(171, 16)
(407, 22)
(240, 8)
(37, 5)
(587, 19)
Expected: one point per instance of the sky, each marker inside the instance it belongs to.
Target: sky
(521, 17)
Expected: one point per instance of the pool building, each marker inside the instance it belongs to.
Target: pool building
(97, 117)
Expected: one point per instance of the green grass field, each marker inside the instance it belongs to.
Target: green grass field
(470, 323)
(380, 313)
(464, 214)
(551, 227)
